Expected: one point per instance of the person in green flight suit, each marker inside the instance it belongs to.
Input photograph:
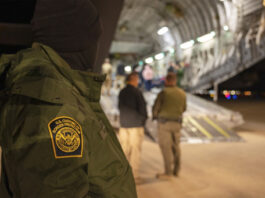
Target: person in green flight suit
(168, 108)
(56, 141)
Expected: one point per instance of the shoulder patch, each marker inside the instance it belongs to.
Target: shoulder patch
(67, 137)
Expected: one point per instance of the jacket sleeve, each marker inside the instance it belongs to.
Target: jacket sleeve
(185, 102)
(36, 169)
(157, 105)
(141, 104)
(120, 101)
(32, 167)
(110, 173)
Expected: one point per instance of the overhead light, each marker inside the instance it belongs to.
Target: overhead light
(159, 56)
(263, 2)
(226, 28)
(233, 92)
(128, 69)
(141, 63)
(206, 37)
(162, 30)
(171, 50)
(149, 60)
(187, 45)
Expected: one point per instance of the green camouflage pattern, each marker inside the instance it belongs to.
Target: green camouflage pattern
(39, 87)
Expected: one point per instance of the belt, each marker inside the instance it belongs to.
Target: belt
(163, 120)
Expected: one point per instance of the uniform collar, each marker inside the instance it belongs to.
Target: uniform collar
(129, 85)
(86, 83)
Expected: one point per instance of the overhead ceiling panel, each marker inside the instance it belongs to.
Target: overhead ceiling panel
(186, 19)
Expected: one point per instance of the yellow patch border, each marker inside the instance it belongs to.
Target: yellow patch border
(53, 143)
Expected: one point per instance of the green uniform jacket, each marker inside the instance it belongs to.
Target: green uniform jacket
(56, 140)
(170, 104)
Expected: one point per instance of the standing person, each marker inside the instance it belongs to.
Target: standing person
(168, 109)
(148, 75)
(133, 115)
(107, 70)
(56, 140)
(120, 77)
(172, 68)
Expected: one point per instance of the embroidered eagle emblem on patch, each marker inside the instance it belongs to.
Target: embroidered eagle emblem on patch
(67, 137)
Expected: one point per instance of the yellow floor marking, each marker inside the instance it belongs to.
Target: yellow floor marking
(219, 129)
(203, 130)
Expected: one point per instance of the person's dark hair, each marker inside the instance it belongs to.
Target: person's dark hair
(171, 77)
(130, 76)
